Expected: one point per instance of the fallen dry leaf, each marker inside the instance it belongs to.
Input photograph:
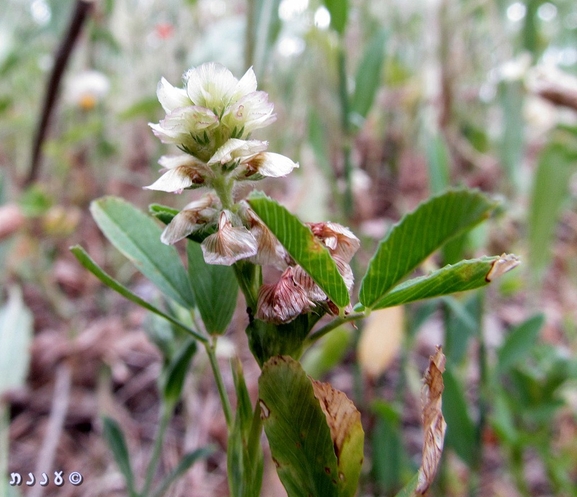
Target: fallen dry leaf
(433, 421)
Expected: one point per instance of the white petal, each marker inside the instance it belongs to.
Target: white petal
(246, 85)
(229, 244)
(190, 119)
(237, 149)
(177, 179)
(170, 97)
(182, 225)
(173, 161)
(253, 111)
(210, 85)
(272, 165)
(270, 251)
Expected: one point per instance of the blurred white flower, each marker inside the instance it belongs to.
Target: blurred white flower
(85, 89)
(515, 69)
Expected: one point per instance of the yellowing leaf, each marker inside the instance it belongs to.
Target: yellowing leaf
(381, 340)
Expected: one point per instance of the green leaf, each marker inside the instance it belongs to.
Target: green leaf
(460, 429)
(137, 236)
(462, 322)
(549, 193)
(438, 163)
(305, 438)
(465, 275)
(245, 461)
(244, 410)
(410, 489)
(97, 271)
(368, 77)
(176, 372)
(389, 454)
(15, 339)
(327, 352)
(215, 290)
(418, 235)
(339, 13)
(519, 342)
(183, 466)
(115, 439)
(302, 246)
(511, 95)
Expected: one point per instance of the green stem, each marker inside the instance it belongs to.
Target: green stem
(4, 445)
(335, 323)
(249, 277)
(346, 128)
(166, 413)
(249, 35)
(211, 351)
(223, 188)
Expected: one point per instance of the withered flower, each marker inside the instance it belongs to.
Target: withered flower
(282, 301)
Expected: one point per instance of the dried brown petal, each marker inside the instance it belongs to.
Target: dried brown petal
(313, 291)
(270, 250)
(340, 240)
(433, 421)
(282, 301)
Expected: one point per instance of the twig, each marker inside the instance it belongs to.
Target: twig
(77, 20)
(58, 412)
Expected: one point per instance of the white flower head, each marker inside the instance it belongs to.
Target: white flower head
(213, 86)
(229, 244)
(193, 217)
(212, 98)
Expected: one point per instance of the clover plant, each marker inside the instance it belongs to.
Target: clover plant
(314, 431)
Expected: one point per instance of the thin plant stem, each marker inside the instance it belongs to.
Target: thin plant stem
(165, 415)
(321, 332)
(250, 41)
(346, 129)
(211, 351)
(4, 443)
